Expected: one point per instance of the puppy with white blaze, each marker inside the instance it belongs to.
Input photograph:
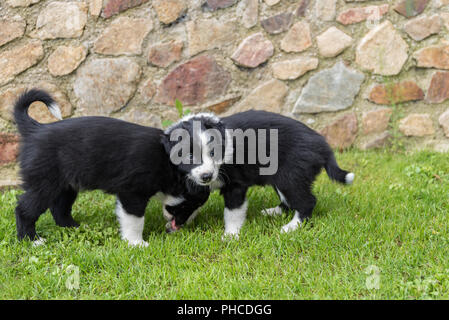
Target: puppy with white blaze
(59, 159)
(258, 148)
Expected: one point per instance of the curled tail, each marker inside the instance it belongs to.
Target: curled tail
(24, 122)
(335, 173)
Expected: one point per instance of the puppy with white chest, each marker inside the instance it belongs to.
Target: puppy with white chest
(59, 159)
(257, 148)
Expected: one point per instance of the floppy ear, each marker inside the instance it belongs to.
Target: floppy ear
(165, 141)
(211, 123)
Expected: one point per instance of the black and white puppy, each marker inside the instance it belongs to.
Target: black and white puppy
(59, 159)
(296, 156)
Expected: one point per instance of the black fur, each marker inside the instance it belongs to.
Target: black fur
(302, 153)
(59, 159)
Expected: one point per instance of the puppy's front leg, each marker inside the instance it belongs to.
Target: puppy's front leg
(235, 210)
(130, 212)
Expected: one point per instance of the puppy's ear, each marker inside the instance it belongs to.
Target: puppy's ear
(165, 141)
(220, 127)
(212, 123)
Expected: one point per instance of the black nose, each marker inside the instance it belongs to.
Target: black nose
(206, 177)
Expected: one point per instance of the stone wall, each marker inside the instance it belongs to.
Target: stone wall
(363, 73)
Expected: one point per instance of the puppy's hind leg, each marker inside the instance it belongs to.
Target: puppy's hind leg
(280, 209)
(61, 208)
(130, 210)
(302, 201)
(29, 208)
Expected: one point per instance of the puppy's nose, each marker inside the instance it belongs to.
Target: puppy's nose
(206, 177)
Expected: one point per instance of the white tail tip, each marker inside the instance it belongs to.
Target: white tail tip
(55, 111)
(349, 178)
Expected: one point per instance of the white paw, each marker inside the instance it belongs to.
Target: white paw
(230, 236)
(277, 211)
(291, 226)
(167, 215)
(39, 242)
(138, 243)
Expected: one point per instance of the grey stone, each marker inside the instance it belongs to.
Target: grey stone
(330, 90)
(104, 86)
(378, 141)
(278, 23)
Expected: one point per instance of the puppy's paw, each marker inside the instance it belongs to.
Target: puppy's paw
(138, 243)
(291, 226)
(167, 216)
(229, 236)
(39, 242)
(277, 211)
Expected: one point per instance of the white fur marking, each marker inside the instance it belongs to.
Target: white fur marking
(189, 117)
(170, 201)
(39, 242)
(234, 220)
(277, 211)
(349, 178)
(282, 197)
(55, 110)
(292, 225)
(208, 164)
(131, 227)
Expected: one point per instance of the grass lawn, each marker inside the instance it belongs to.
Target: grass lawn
(385, 237)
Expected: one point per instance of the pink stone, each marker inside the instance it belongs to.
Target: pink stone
(123, 36)
(147, 90)
(278, 23)
(194, 82)
(301, 9)
(417, 125)
(411, 8)
(376, 121)
(433, 57)
(253, 51)
(11, 28)
(378, 141)
(168, 11)
(9, 147)
(439, 87)
(359, 14)
(112, 7)
(219, 4)
(423, 27)
(298, 38)
(396, 93)
(164, 54)
(341, 133)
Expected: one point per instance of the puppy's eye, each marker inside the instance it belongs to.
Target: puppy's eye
(212, 153)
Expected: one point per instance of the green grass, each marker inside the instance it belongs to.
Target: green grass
(394, 219)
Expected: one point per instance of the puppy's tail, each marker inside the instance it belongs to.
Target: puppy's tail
(336, 173)
(24, 122)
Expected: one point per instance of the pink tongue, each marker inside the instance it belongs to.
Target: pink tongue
(173, 225)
